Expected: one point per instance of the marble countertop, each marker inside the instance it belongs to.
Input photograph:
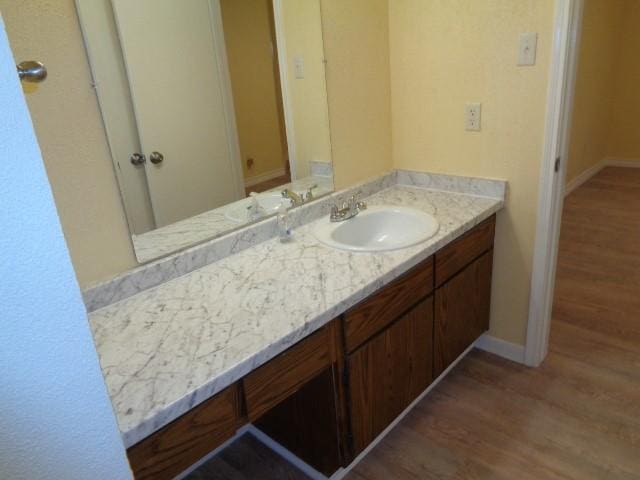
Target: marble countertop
(168, 348)
(191, 231)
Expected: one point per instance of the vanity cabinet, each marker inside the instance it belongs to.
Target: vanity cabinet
(388, 372)
(330, 395)
(463, 293)
(175, 447)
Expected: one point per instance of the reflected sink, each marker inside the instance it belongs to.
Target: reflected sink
(378, 229)
(268, 202)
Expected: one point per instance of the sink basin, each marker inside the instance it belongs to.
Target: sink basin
(378, 229)
(269, 202)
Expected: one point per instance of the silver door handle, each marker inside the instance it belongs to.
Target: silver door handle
(156, 158)
(137, 159)
(31, 71)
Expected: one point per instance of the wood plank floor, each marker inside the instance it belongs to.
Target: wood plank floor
(575, 417)
(578, 415)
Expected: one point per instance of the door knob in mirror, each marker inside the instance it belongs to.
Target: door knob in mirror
(137, 159)
(156, 158)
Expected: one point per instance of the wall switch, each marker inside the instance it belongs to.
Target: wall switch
(527, 49)
(473, 117)
(298, 65)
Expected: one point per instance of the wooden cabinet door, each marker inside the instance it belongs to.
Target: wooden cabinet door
(388, 372)
(462, 311)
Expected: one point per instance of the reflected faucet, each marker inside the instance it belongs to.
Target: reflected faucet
(299, 199)
(296, 200)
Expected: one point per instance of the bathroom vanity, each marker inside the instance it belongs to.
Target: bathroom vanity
(320, 349)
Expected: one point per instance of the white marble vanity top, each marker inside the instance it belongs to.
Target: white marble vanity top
(168, 348)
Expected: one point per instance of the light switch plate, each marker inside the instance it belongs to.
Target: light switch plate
(473, 117)
(527, 49)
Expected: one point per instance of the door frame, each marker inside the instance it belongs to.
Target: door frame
(227, 97)
(283, 62)
(560, 99)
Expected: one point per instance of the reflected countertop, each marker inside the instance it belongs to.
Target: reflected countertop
(213, 223)
(168, 348)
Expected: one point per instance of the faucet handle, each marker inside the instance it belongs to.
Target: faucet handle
(309, 195)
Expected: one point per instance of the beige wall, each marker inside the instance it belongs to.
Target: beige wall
(256, 95)
(356, 40)
(448, 53)
(68, 124)
(607, 96)
(624, 135)
(302, 29)
(595, 80)
(69, 129)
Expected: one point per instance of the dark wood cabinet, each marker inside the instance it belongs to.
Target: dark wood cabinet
(330, 395)
(305, 423)
(175, 447)
(462, 311)
(388, 372)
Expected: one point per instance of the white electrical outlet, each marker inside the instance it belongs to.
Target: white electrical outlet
(527, 49)
(473, 117)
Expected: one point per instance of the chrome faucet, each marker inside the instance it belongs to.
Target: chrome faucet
(350, 209)
(296, 199)
(299, 199)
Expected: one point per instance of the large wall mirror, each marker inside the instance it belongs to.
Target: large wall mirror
(215, 112)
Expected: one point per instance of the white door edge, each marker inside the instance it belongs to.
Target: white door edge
(227, 97)
(284, 86)
(566, 41)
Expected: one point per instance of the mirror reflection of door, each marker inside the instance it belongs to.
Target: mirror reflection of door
(231, 94)
(250, 39)
(176, 71)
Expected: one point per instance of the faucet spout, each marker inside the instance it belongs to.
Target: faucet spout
(295, 198)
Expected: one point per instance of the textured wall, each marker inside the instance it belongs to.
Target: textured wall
(248, 35)
(445, 53)
(69, 129)
(57, 420)
(595, 81)
(302, 24)
(356, 40)
(624, 134)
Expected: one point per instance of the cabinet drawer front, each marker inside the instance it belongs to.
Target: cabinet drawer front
(186, 440)
(455, 256)
(390, 371)
(462, 311)
(383, 307)
(285, 374)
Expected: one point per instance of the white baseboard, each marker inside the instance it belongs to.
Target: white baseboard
(583, 177)
(240, 432)
(592, 171)
(502, 348)
(622, 162)
(263, 177)
(286, 454)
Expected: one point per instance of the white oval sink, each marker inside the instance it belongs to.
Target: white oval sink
(378, 229)
(268, 202)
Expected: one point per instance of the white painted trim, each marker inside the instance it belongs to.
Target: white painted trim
(567, 29)
(622, 162)
(593, 170)
(233, 140)
(263, 177)
(584, 177)
(502, 348)
(283, 61)
(286, 454)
